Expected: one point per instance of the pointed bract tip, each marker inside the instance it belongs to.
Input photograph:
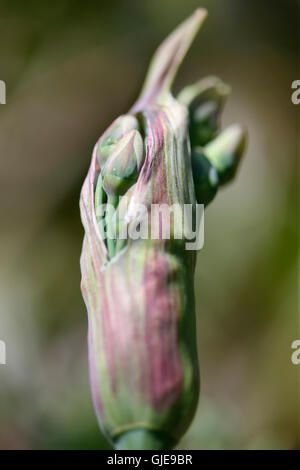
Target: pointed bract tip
(201, 13)
(167, 60)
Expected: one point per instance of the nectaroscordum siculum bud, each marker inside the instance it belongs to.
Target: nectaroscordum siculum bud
(139, 293)
(122, 167)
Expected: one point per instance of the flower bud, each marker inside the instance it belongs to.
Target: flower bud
(120, 127)
(121, 169)
(204, 123)
(139, 293)
(205, 100)
(226, 150)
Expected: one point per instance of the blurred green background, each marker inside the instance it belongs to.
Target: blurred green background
(70, 69)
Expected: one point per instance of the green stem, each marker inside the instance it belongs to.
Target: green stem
(144, 439)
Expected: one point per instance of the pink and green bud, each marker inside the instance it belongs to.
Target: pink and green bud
(139, 293)
(120, 127)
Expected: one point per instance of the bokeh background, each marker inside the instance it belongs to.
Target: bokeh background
(70, 69)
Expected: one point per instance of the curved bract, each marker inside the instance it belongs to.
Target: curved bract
(139, 292)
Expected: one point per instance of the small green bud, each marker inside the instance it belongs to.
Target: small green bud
(205, 100)
(226, 150)
(121, 169)
(112, 136)
(204, 123)
(205, 177)
(140, 292)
